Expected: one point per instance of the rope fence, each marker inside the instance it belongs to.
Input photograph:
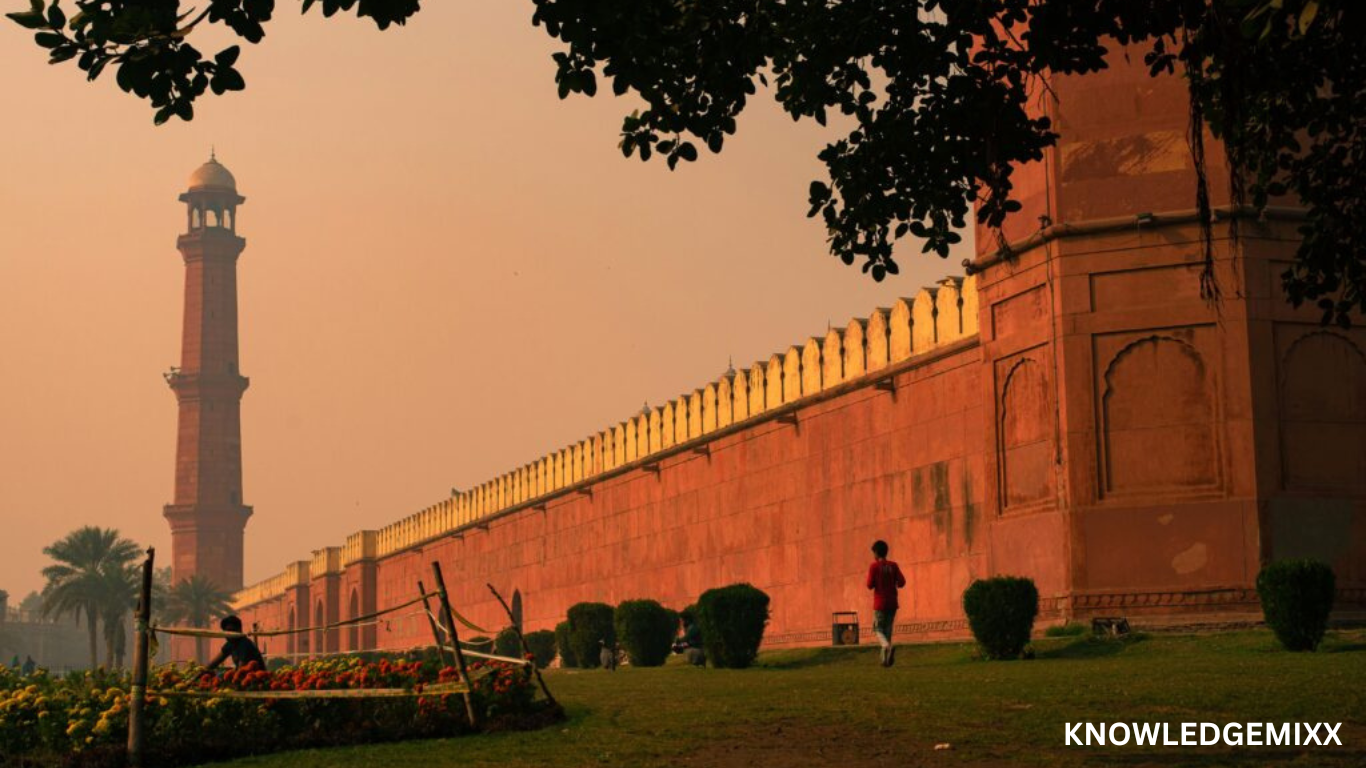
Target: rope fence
(353, 621)
(146, 633)
(438, 689)
(494, 657)
(446, 640)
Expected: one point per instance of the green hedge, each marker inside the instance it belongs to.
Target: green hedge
(1001, 613)
(589, 625)
(1297, 596)
(542, 645)
(646, 630)
(564, 646)
(507, 644)
(732, 621)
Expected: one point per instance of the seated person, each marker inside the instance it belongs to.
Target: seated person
(607, 655)
(241, 648)
(689, 642)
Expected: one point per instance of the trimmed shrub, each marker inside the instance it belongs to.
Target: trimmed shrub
(646, 630)
(564, 646)
(542, 645)
(1001, 613)
(1297, 596)
(507, 644)
(589, 625)
(732, 621)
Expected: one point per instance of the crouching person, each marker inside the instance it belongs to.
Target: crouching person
(607, 655)
(689, 642)
(240, 649)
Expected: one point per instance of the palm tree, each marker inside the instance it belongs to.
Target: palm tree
(77, 581)
(196, 601)
(161, 589)
(120, 584)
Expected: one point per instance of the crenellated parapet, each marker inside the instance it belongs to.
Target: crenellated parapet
(296, 574)
(937, 316)
(326, 562)
(360, 546)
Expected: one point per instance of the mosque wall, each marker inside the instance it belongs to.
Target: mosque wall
(1076, 410)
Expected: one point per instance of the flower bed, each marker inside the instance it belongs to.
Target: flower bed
(82, 719)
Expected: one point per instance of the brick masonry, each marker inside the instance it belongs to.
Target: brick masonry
(1074, 412)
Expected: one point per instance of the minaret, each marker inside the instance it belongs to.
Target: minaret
(207, 517)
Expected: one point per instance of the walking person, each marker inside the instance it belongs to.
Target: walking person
(884, 578)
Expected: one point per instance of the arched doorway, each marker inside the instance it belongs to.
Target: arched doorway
(290, 648)
(319, 621)
(353, 633)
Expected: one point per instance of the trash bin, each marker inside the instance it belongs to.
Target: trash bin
(844, 628)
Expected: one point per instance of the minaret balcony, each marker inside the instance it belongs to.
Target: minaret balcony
(195, 385)
(210, 242)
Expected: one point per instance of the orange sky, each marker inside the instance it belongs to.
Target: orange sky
(449, 271)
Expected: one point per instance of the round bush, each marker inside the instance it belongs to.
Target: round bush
(1001, 613)
(1297, 596)
(566, 648)
(589, 625)
(646, 630)
(507, 643)
(732, 621)
(542, 646)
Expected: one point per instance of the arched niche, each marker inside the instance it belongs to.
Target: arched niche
(1322, 397)
(1024, 431)
(1158, 418)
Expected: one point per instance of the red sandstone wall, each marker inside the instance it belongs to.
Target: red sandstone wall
(790, 509)
(1133, 448)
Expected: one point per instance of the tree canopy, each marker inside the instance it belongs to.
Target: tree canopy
(196, 602)
(937, 93)
(89, 578)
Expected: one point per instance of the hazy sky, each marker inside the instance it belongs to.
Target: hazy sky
(448, 272)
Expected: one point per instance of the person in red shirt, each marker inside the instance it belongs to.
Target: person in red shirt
(884, 578)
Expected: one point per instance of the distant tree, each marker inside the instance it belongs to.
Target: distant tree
(195, 602)
(32, 604)
(121, 584)
(939, 94)
(5, 638)
(79, 582)
(161, 590)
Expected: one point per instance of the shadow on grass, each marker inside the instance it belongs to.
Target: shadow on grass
(1250, 757)
(804, 658)
(1090, 648)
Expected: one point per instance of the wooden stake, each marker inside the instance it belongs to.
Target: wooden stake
(526, 650)
(449, 616)
(436, 632)
(138, 695)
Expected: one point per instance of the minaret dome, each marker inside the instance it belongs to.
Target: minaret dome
(212, 175)
(211, 201)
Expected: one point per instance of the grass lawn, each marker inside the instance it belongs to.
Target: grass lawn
(837, 707)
